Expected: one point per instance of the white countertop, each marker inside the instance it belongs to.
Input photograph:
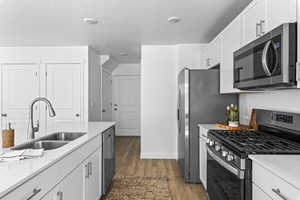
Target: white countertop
(286, 167)
(15, 173)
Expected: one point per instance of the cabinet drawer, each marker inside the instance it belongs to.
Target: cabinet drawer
(258, 194)
(272, 185)
(37, 186)
(72, 160)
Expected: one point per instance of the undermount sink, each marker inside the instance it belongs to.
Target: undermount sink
(50, 142)
(63, 136)
(46, 145)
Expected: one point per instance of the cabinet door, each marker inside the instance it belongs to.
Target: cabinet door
(52, 195)
(258, 194)
(63, 89)
(72, 186)
(232, 38)
(20, 85)
(203, 157)
(92, 180)
(252, 16)
(279, 12)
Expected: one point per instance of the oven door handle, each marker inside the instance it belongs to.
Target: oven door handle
(233, 170)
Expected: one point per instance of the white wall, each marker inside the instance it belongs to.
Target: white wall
(127, 69)
(158, 102)
(94, 85)
(282, 100)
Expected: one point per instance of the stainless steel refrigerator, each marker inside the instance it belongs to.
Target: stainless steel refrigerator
(199, 102)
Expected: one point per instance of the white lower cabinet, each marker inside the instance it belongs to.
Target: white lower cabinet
(92, 177)
(70, 188)
(258, 194)
(272, 185)
(203, 155)
(77, 176)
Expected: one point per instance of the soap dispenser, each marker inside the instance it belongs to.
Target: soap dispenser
(8, 137)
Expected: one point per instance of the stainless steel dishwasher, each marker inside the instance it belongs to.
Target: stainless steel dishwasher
(108, 158)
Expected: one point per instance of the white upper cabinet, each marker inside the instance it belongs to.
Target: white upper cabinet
(262, 16)
(232, 38)
(279, 12)
(254, 20)
(257, 19)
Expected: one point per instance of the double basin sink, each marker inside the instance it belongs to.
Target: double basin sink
(50, 142)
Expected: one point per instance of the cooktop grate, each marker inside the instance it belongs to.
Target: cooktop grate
(256, 142)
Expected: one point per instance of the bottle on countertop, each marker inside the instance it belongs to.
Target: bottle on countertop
(8, 137)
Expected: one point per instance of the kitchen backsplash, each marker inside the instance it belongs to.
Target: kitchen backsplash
(281, 100)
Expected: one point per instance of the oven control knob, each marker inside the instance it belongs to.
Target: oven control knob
(217, 148)
(211, 143)
(224, 153)
(207, 141)
(230, 157)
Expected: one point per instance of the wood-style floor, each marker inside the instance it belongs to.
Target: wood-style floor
(128, 163)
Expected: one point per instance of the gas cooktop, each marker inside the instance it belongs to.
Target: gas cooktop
(250, 141)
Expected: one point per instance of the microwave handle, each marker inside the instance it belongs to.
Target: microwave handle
(264, 59)
(236, 172)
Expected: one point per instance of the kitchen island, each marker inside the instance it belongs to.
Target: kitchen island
(73, 170)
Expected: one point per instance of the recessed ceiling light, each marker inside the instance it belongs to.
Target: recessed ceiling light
(123, 53)
(90, 20)
(174, 20)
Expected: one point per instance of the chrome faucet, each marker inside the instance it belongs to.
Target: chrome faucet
(51, 114)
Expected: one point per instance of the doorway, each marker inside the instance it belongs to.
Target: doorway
(126, 104)
(106, 95)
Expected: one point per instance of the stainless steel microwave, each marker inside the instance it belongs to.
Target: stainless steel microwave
(269, 62)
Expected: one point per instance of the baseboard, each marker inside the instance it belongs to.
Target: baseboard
(158, 156)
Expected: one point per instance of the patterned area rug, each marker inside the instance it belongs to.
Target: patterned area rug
(139, 188)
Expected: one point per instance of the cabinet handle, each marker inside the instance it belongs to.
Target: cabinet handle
(60, 195)
(34, 192)
(90, 168)
(3, 115)
(262, 27)
(77, 115)
(277, 191)
(86, 171)
(257, 29)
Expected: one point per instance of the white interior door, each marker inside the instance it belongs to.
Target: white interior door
(64, 89)
(106, 96)
(126, 104)
(20, 85)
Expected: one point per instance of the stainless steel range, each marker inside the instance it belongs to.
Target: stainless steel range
(229, 170)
